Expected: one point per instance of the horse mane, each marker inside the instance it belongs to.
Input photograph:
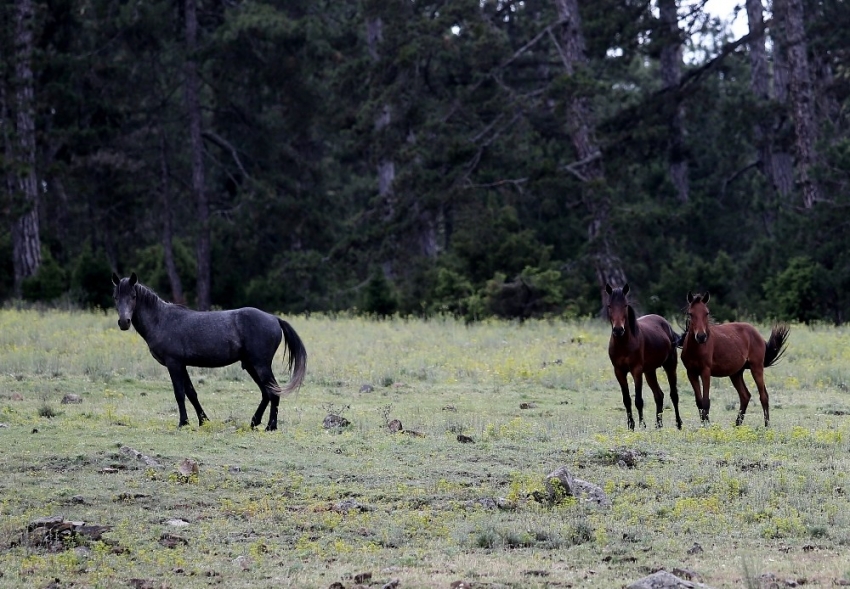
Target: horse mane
(148, 297)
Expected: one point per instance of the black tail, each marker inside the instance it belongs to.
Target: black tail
(297, 357)
(777, 345)
(675, 338)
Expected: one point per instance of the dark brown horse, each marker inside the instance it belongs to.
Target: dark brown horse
(728, 350)
(639, 346)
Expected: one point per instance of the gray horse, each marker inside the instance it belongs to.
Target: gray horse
(179, 337)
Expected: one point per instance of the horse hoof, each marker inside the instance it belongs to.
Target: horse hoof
(271, 428)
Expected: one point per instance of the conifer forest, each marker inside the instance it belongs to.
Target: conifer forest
(475, 158)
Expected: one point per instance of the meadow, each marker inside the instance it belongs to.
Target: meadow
(310, 507)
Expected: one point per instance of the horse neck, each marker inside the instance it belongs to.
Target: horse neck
(149, 307)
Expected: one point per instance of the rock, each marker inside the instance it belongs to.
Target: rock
(413, 433)
(665, 580)
(465, 439)
(17, 397)
(695, 549)
(3, 425)
(392, 584)
(333, 421)
(172, 540)
(687, 574)
(243, 562)
(336, 585)
(188, 467)
(347, 505)
(527, 405)
(504, 503)
(366, 388)
(71, 399)
(560, 484)
(395, 426)
(363, 578)
(128, 451)
(55, 533)
(177, 523)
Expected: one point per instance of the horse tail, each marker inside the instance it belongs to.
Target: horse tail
(675, 338)
(777, 345)
(297, 357)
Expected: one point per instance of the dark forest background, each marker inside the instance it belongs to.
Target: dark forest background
(470, 157)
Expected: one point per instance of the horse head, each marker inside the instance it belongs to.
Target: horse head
(620, 313)
(698, 316)
(125, 299)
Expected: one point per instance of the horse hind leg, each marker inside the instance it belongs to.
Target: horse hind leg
(670, 370)
(652, 381)
(622, 378)
(743, 394)
(270, 390)
(758, 376)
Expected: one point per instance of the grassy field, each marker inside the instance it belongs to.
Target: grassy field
(310, 507)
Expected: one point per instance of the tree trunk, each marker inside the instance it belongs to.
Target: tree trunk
(193, 108)
(671, 73)
(588, 166)
(802, 100)
(167, 228)
(26, 241)
(782, 165)
(760, 86)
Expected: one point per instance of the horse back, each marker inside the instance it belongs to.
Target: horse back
(736, 347)
(658, 340)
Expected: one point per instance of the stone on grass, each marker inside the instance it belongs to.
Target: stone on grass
(333, 421)
(560, 484)
(188, 467)
(664, 580)
(71, 399)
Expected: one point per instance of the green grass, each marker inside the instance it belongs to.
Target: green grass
(305, 507)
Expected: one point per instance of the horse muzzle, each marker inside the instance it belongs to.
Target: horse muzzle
(701, 337)
(124, 324)
(618, 331)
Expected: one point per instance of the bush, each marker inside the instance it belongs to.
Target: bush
(795, 293)
(379, 298)
(48, 283)
(90, 283)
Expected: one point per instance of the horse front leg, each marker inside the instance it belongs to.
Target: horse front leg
(694, 378)
(637, 375)
(743, 394)
(706, 399)
(179, 376)
(652, 381)
(623, 379)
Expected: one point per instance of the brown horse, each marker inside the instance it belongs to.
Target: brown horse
(640, 347)
(728, 350)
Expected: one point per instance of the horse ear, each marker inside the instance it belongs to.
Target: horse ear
(705, 297)
(690, 297)
(608, 289)
(632, 320)
(115, 279)
(626, 288)
(133, 279)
